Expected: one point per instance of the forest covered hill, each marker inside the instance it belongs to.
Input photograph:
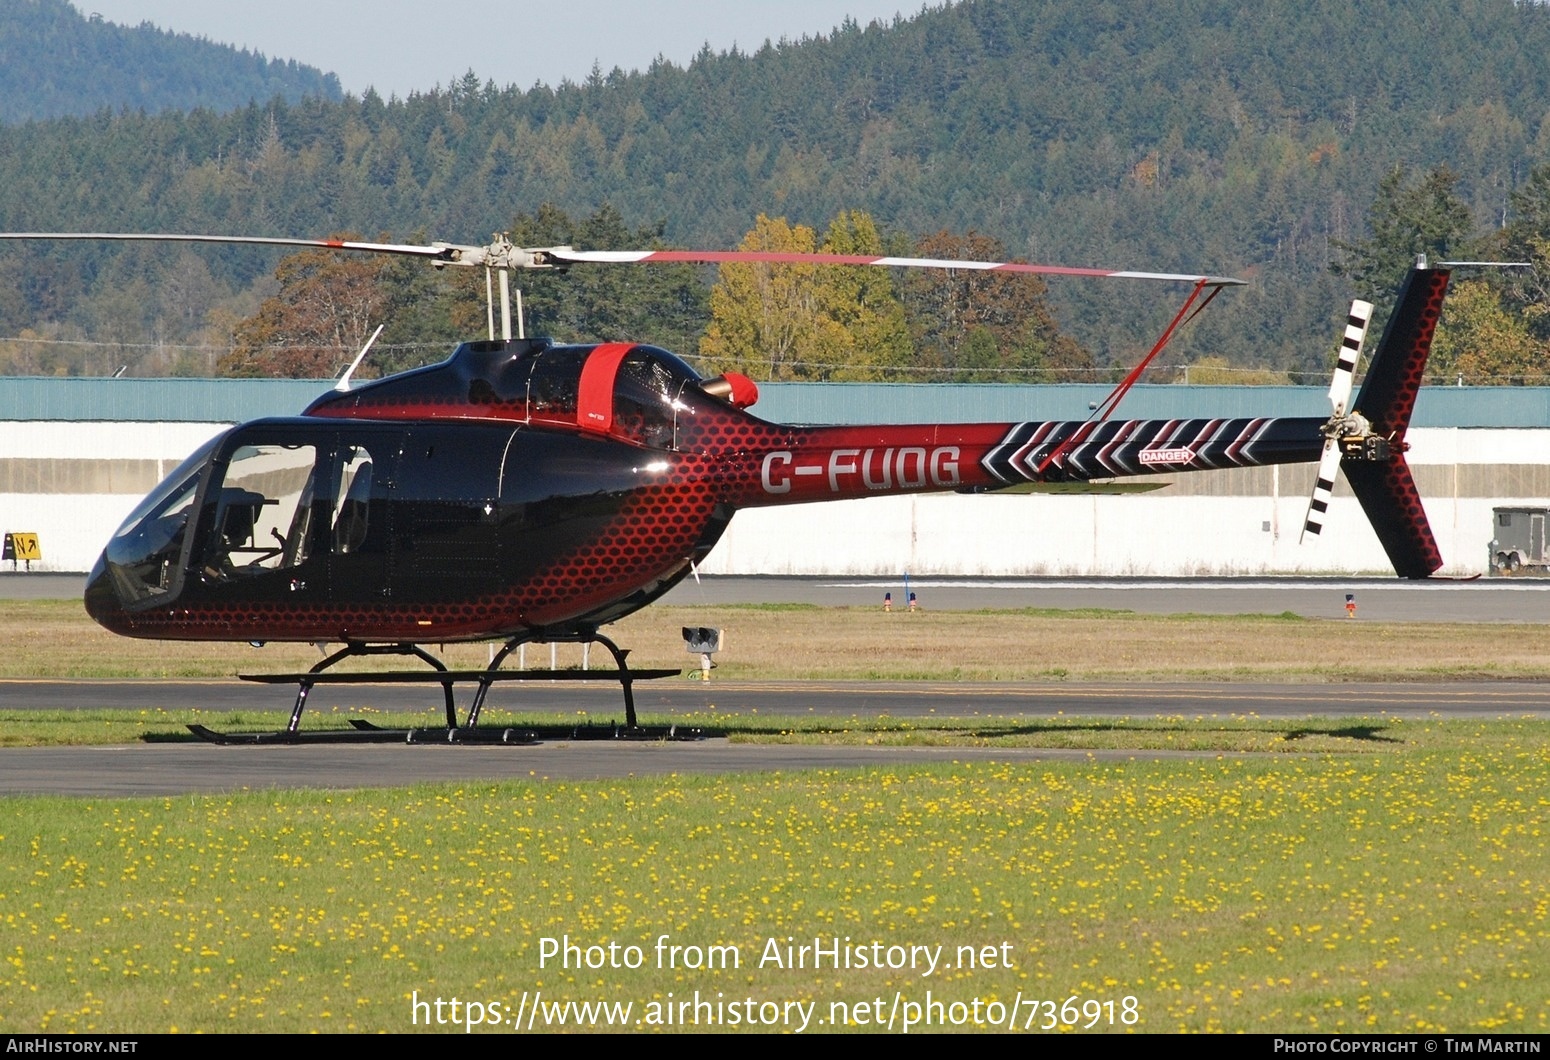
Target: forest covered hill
(55, 61)
(1175, 135)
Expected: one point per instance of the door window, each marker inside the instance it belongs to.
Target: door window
(262, 511)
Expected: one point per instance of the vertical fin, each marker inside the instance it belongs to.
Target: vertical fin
(1384, 486)
(1393, 506)
(1388, 393)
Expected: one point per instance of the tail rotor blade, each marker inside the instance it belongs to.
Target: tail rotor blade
(1350, 352)
(1323, 489)
(1340, 401)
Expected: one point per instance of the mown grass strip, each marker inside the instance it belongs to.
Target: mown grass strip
(56, 639)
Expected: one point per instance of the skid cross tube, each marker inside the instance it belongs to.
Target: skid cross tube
(310, 678)
(491, 674)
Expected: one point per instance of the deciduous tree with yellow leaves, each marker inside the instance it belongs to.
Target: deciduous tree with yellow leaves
(802, 321)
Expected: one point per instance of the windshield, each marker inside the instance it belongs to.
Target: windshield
(144, 558)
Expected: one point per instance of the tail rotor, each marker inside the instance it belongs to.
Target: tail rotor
(1365, 438)
(1339, 399)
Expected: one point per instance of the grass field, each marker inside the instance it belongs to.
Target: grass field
(1387, 892)
(1387, 884)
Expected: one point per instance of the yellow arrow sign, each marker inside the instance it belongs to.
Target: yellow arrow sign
(23, 546)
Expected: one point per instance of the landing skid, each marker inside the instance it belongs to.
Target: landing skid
(368, 734)
(469, 732)
(584, 731)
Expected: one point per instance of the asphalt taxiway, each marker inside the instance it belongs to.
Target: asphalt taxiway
(190, 766)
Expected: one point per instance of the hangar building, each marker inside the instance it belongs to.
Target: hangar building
(77, 454)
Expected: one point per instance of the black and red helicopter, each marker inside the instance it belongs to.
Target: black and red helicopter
(526, 491)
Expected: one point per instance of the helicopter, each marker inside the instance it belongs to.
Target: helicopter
(528, 491)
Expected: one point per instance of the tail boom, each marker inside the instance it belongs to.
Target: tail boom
(831, 463)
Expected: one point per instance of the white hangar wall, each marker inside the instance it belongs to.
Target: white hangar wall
(1099, 535)
(72, 483)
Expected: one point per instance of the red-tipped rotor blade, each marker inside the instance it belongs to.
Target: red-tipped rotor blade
(719, 257)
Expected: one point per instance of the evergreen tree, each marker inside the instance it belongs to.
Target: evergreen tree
(664, 305)
(1406, 220)
(1526, 238)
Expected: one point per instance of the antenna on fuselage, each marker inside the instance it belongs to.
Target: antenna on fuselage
(344, 381)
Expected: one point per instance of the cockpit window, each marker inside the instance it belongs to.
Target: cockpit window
(647, 396)
(554, 386)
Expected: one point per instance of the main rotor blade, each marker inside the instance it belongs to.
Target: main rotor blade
(443, 252)
(716, 257)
